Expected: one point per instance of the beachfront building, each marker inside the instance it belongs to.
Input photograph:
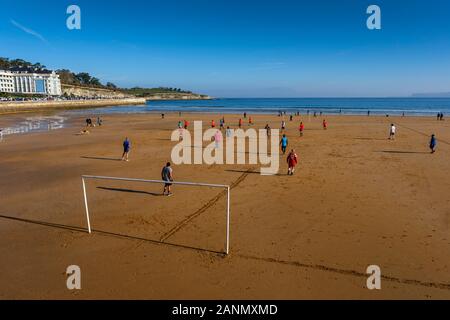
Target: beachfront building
(43, 82)
(6, 82)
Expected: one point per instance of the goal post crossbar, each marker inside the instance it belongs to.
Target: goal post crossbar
(227, 187)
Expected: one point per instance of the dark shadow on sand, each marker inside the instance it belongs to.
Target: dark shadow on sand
(107, 233)
(102, 158)
(372, 139)
(254, 172)
(131, 191)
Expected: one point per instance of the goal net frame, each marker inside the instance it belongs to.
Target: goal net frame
(221, 186)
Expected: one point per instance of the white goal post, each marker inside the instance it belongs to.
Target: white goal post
(227, 187)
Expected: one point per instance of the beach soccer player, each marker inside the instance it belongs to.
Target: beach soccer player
(167, 177)
(392, 132)
(186, 124)
(213, 124)
(267, 127)
(301, 128)
(240, 123)
(433, 143)
(325, 124)
(250, 121)
(126, 149)
(218, 138)
(284, 143)
(292, 160)
(229, 133)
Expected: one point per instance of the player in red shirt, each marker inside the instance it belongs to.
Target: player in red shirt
(301, 128)
(213, 124)
(325, 124)
(240, 123)
(292, 160)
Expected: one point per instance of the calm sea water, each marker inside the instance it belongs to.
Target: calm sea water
(354, 106)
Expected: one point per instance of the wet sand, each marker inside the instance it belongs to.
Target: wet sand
(357, 199)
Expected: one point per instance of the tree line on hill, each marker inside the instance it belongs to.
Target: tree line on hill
(84, 78)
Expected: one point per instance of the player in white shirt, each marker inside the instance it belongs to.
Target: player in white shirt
(392, 132)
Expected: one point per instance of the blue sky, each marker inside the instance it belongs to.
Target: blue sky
(241, 48)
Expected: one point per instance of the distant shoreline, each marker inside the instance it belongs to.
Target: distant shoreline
(35, 106)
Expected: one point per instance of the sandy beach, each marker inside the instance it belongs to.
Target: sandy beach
(357, 199)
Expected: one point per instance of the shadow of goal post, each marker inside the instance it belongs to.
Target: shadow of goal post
(222, 186)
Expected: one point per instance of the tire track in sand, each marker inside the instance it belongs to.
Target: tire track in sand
(208, 205)
(349, 272)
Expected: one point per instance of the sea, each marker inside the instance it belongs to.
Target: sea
(331, 106)
(326, 106)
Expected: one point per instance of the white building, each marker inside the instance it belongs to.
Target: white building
(6, 82)
(45, 83)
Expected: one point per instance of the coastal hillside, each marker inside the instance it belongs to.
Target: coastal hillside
(85, 85)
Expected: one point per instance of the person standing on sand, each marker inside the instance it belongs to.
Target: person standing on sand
(218, 138)
(221, 123)
(292, 160)
(284, 143)
(162, 115)
(250, 121)
(301, 128)
(392, 132)
(240, 123)
(167, 177)
(228, 132)
(213, 124)
(325, 124)
(433, 143)
(186, 124)
(283, 125)
(126, 149)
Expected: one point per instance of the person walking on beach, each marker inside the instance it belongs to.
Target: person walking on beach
(240, 123)
(291, 118)
(180, 124)
(250, 121)
(441, 117)
(162, 115)
(433, 143)
(325, 124)
(245, 115)
(283, 125)
(186, 124)
(267, 127)
(126, 149)
(213, 124)
(284, 143)
(221, 124)
(292, 160)
(301, 128)
(392, 132)
(167, 176)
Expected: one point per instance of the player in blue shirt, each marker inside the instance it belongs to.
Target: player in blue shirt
(433, 143)
(126, 149)
(284, 143)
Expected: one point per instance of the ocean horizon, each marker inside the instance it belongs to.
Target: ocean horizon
(410, 106)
